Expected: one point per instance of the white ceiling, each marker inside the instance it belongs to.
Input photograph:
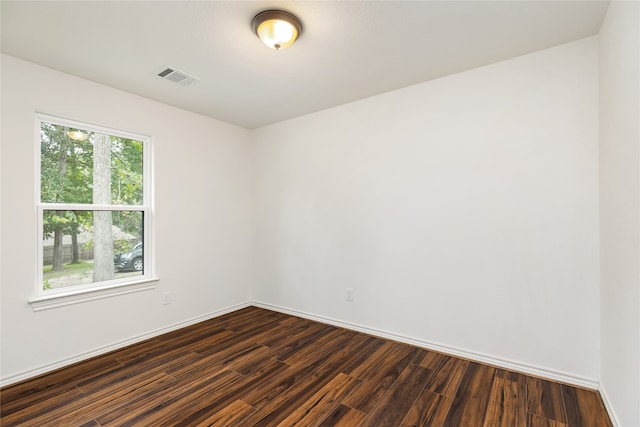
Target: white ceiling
(349, 50)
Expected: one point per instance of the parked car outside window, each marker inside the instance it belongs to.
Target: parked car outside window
(132, 260)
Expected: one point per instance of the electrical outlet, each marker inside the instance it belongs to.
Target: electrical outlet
(350, 294)
(166, 298)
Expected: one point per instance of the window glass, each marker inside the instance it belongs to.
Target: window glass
(69, 165)
(92, 206)
(119, 253)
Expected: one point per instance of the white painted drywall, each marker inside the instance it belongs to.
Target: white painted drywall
(620, 210)
(202, 212)
(462, 211)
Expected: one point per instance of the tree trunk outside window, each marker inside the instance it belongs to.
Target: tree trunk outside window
(58, 233)
(102, 220)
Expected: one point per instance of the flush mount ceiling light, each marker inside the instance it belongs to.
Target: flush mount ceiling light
(77, 135)
(276, 28)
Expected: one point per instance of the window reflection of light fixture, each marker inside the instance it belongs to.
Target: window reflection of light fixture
(276, 28)
(77, 135)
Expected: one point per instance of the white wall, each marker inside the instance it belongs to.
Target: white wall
(620, 210)
(463, 211)
(202, 206)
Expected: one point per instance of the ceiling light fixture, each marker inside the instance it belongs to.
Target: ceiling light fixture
(77, 135)
(276, 28)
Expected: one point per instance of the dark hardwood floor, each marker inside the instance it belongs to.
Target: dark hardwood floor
(256, 367)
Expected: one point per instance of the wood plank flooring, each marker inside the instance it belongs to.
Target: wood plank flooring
(256, 367)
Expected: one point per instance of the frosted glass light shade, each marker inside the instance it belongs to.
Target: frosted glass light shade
(276, 28)
(77, 135)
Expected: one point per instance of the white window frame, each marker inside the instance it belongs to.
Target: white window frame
(87, 292)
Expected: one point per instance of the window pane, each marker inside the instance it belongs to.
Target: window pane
(81, 166)
(83, 247)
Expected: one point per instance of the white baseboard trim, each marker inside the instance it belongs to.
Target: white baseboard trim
(115, 346)
(466, 354)
(512, 365)
(607, 404)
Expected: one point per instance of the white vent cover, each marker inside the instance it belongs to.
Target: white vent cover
(177, 76)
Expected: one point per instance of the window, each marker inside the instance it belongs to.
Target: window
(93, 209)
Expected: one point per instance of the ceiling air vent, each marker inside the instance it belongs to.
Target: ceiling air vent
(177, 76)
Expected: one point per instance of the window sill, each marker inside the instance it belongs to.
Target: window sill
(47, 302)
